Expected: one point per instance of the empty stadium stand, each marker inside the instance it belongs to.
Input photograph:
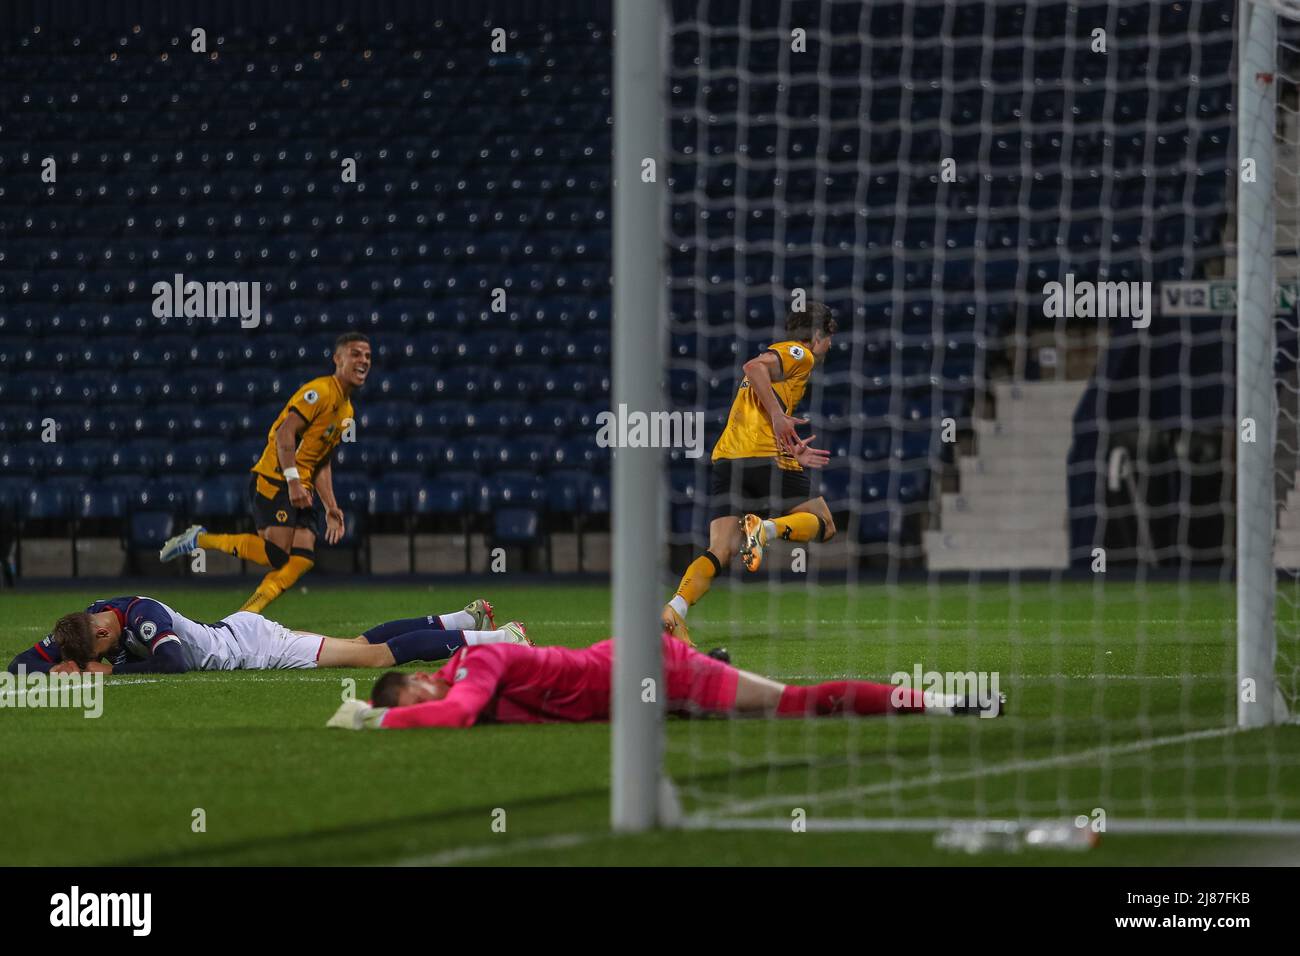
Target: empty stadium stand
(481, 171)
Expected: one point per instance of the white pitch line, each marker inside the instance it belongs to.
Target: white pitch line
(1016, 766)
(983, 627)
(1026, 677)
(1135, 825)
(246, 677)
(470, 854)
(48, 691)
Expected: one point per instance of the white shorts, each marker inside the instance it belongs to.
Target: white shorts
(262, 644)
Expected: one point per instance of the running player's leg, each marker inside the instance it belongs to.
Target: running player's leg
(795, 525)
(724, 540)
(301, 558)
(807, 521)
(732, 492)
(273, 518)
(801, 518)
(246, 546)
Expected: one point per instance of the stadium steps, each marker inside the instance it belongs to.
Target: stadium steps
(1011, 511)
(997, 550)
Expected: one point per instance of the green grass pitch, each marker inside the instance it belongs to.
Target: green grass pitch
(1119, 697)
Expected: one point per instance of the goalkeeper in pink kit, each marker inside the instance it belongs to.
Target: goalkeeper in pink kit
(505, 683)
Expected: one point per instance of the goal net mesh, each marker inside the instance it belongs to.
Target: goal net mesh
(1034, 493)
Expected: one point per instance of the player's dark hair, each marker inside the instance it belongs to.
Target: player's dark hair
(815, 317)
(347, 338)
(75, 635)
(387, 688)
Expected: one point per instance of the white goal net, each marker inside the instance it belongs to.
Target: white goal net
(1022, 216)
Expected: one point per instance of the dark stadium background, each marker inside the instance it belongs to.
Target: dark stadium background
(479, 171)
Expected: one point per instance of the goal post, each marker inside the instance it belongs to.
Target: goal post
(638, 359)
(1256, 347)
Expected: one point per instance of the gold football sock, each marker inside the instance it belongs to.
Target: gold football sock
(698, 578)
(250, 547)
(277, 582)
(801, 526)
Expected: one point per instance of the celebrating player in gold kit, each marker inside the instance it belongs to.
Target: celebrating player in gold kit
(291, 494)
(758, 464)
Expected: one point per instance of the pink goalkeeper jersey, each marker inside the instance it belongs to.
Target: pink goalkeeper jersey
(511, 683)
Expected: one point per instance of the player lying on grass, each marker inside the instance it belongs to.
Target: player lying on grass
(519, 685)
(138, 635)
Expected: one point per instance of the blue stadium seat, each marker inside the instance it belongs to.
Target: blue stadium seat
(392, 495)
(566, 492)
(597, 496)
(506, 489)
(142, 456)
(513, 192)
(352, 494)
(877, 526)
(186, 458)
(147, 530)
(450, 493)
(534, 452)
(45, 503)
(158, 495)
(219, 497)
(78, 460)
(97, 504)
(439, 498)
(515, 526)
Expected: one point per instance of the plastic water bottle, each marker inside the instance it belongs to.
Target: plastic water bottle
(1011, 836)
(1061, 835)
(980, 836)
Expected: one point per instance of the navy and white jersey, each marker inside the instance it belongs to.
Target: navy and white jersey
(147, 625)
(157, 639)
(151, 629)
(154, 638)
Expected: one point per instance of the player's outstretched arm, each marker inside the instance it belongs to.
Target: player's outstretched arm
(448, 712)
(166, 658)
(39, 657)
(461, 703)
